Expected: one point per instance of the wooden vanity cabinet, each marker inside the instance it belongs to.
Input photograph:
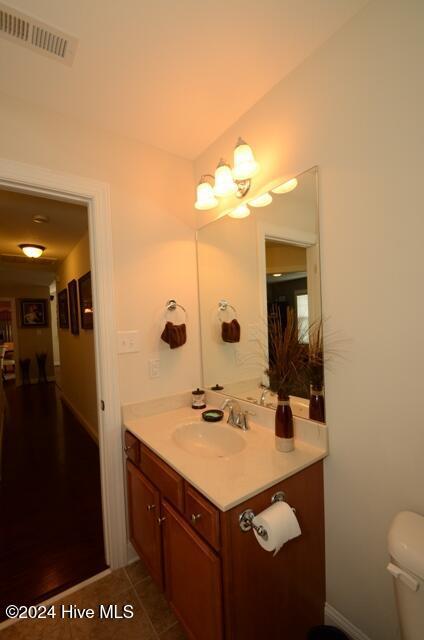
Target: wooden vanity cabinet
(144, 511)
(220, 583)
(193, 578)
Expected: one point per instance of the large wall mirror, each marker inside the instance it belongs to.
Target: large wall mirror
(250, 269)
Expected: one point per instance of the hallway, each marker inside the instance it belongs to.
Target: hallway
(51, 534)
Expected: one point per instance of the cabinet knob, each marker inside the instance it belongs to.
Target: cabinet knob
(161, 520)
(128, 447)
(195, 517)
(150, 507)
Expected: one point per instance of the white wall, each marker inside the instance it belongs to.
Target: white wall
(153, 237)
(355, 109)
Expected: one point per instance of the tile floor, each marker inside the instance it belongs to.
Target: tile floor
(153, 619)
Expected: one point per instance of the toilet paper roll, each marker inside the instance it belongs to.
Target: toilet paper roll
(280, 524)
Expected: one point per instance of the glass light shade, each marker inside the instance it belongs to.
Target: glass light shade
(245, 165)
(261, 201)
(242, 211)
(286, 187)
(32, 250)
(224, 183)
(205, 196)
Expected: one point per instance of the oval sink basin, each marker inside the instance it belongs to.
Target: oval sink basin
(208, 440)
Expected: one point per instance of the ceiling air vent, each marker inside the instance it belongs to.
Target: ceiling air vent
(7, 258)
(36, 35)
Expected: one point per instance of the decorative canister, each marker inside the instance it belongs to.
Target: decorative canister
(198, 399)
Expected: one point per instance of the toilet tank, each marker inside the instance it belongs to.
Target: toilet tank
(406, 548)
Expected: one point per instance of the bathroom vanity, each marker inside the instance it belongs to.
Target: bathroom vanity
(187, 486)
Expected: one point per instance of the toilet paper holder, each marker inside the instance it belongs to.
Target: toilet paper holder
(246, 517)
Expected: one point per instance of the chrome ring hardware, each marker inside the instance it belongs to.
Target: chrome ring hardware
(195, 517)
(150, 507)
(246, 524)
(280, 496)
(161, 520)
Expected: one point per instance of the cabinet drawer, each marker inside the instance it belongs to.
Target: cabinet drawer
(169, 483)
(202, 515)
(132, 447)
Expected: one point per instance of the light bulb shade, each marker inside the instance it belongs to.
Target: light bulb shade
(224, 183)
(32, 250)
(261, 201)
(245, 165)
(205, 196)
(242, 211)
(286, 187)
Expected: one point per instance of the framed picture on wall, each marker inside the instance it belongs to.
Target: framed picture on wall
(86, 301)
(34, 313)
(63, 309)
(73, 307)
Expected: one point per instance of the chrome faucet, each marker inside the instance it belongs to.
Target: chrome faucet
(236, 417)
(265, 390)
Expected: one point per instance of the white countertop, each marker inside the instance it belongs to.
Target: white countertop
(228, 481)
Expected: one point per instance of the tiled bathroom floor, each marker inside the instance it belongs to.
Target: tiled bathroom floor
(153, 620)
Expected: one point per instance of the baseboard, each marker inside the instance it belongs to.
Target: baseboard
(87, 426)
(335, 618)
(132, 555)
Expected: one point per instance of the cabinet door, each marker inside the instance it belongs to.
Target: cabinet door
(192, 578)
(143, 514)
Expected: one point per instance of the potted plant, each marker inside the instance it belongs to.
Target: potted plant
(288, 365)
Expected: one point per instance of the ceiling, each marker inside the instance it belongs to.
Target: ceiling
(67, 225)
(171, 74)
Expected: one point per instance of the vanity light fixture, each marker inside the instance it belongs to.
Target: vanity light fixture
(224, 183)
(242, 211)
(261, 201)
(286, 187)
(277, 275)
(245, 165)
(32, 250)
(228, 181)
(205, 195)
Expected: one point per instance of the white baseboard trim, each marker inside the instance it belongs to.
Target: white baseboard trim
(132, 555)
(335, 618)
(87, 426)
(62, 594)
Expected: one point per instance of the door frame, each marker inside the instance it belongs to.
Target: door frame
(33, 179)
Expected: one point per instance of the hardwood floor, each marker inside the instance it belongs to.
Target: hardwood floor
(51, 533)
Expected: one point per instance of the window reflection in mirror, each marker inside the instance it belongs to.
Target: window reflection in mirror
(259, 265)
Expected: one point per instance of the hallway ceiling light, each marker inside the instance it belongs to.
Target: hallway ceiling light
(205, 195)
(40, 219)
(228, 181)
(242, 211)
(245, 165)
(286, 187)
(261, 201)
(32, 250)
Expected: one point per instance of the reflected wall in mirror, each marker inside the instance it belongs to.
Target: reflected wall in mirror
(252, 268)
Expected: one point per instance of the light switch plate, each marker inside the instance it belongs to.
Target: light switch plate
(128, 341)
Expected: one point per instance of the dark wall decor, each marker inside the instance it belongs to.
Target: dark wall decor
(86, 301)
(73, 307)
(34, 313)
(63, 309)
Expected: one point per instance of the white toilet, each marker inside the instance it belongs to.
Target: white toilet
(406, 548)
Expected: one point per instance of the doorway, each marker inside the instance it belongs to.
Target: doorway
(95, 196)
(50, 494)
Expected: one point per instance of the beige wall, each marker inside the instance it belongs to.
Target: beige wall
(153, 233)
(77, 357)
(30, 341)
(355, 109)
